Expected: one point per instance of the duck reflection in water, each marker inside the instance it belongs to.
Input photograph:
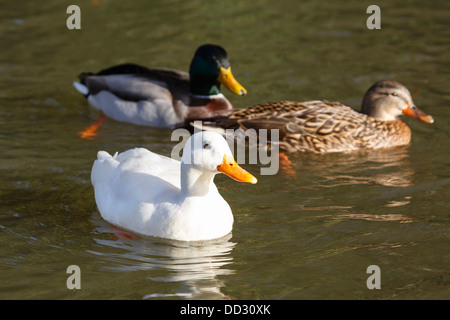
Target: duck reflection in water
(196, 266)
(389, 167)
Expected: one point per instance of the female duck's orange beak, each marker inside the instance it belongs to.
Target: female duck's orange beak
(227, 79)
(415, 112)
(233, 170)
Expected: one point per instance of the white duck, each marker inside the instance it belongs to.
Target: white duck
(153, 195)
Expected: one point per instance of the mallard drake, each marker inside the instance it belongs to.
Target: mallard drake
(324, 126)
(163, 97)
(150, 194)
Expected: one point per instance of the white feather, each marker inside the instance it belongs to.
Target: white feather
(81, 88)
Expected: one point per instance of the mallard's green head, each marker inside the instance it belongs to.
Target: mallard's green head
(210, 68)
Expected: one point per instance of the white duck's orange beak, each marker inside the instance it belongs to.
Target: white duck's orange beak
(415, 112)
(233, 170)
(227, 79)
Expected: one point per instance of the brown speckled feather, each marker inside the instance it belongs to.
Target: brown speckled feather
(319, 126)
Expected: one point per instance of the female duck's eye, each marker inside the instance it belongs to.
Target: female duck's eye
(394, 94)
(206, 146)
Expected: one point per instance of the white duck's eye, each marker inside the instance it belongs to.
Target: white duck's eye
(206, 146)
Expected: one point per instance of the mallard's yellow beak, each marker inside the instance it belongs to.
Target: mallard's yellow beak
(415, 112)
(227, 79)
(233, 170)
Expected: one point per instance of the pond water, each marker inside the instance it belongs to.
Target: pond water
(307, 234)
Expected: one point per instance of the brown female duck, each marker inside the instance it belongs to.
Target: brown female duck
(322, 126)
